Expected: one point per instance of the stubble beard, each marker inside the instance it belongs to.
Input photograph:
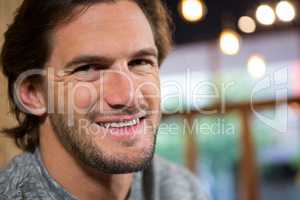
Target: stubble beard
(84, 150)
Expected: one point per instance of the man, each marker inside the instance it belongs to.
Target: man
(84, 85)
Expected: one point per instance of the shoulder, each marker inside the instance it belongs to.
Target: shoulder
(176, 182)
(16, 169)
(15, 175)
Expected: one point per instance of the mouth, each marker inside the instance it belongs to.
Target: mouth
(121, 123)
(124, 128)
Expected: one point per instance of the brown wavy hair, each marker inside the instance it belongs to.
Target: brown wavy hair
(27, 46)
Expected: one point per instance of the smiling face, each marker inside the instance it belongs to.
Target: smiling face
(106, 94)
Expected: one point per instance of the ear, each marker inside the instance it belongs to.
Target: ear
(31, 98)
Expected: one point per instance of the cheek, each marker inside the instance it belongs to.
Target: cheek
(151, 93)
(152, 96)
(83, 97)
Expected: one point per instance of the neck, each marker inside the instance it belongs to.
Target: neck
(76, 179)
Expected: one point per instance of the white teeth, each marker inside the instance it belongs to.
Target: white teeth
(121, 124)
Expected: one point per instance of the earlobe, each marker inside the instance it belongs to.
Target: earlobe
(31, 99)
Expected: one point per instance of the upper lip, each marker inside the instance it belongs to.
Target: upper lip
(119, 118)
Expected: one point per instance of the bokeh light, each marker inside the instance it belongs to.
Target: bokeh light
(229, 42)
(246, 24)
(256, 66)
(193, 10)
(265, 15)
(285, 11)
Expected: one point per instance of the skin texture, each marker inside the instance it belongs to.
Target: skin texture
(86, 159)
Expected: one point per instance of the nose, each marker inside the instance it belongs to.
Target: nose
(119, 89)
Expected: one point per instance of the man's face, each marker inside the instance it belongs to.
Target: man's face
(106, 94)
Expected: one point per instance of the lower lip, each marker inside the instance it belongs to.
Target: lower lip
(124, 133)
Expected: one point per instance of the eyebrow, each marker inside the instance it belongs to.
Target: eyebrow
(146, 52)
(107, 60)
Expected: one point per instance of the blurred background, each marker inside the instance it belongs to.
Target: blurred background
(230, 96)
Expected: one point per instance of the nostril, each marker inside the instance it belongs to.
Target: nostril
(117, 106)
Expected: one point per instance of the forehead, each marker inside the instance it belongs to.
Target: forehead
(113, 29)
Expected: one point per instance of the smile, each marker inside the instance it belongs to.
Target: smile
(120, 124)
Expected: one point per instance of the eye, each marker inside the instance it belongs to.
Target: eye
(87, 68)
(140, 62)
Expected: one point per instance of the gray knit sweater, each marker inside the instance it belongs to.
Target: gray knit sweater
(26, 178)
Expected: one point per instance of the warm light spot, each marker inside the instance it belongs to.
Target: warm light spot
(265, 15)
(192, 10)
(247, 24)
(256, 66)
(285, 11)
(229, 42)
